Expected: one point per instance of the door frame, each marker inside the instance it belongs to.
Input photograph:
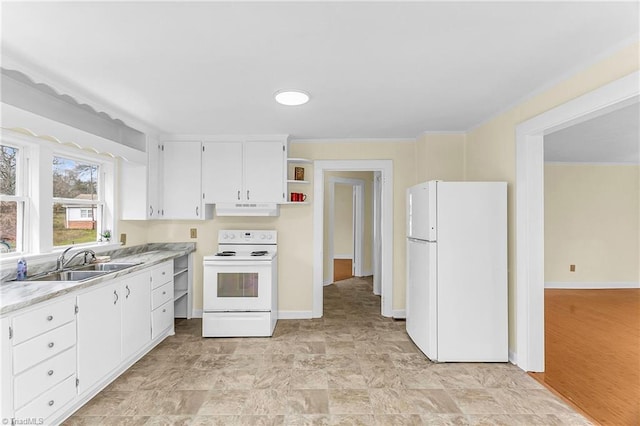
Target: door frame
(357, 226)
(386, 217)
(530, 206)
(375, 232)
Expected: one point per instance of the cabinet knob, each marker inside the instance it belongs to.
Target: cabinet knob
(50, 318)
(51, 344)
(164, 292)
(164, 310)
(50, 373)
(51, 403)
(164, 273)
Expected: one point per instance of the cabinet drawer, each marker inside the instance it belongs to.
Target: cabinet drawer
(161, 295)
(45, 346)
(162, 274)
(44, 376)
(34, 323)
(161, 319)
(50, 401)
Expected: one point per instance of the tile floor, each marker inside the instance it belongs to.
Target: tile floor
(352, 367)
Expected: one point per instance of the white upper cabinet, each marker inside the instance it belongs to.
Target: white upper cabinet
(181, 181)
(222, 172)
(139, 189)
(244, 172)
(264, 171)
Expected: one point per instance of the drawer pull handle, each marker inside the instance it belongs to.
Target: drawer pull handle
(50, 372)
(50, 344)
(50, 318)
(128, 291)
(116, 297)
(51, 402)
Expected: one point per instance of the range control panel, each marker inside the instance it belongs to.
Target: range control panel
(247, 237)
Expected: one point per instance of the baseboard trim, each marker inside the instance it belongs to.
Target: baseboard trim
(399, 313)
(295, 315)
(327, 282)
(367, 273)
(343, 256)
(512, 358)
(197, 313)
(592, 285)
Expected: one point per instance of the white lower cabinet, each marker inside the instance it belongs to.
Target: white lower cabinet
(99, 334)
(136, 318)
(41, 360)
(58, 354)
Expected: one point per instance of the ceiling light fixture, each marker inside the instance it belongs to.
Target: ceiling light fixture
(291, 97)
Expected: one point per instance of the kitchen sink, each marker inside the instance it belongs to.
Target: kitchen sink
(68, 276)
(106, 267)
(83, 273)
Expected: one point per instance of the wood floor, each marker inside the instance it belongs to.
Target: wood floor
(342, 269)
(592, 351)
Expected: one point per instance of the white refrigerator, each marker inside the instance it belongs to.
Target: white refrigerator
(457, 303)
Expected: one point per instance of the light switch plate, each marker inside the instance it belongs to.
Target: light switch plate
(194, 232)
(123, 239)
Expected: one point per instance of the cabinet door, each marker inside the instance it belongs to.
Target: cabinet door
(6, 368)
(222, 172)
(182, 198)
(264, 166)
(136, 313)
(99, 334)
(153, 179)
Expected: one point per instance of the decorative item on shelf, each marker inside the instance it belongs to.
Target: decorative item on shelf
(298, 196)
(298, 173)
(105, 236)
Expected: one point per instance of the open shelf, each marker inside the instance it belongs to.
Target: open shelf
(298, 181)
(299, 160)
(177, 294)
(180, 271)
(296, 202)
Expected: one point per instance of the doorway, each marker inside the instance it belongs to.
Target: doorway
(384, 168)
(530, 207)
(349, 228)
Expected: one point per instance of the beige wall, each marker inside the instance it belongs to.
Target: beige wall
(591, 221)
(490, 148)
(343, 220)
(346, 208)
(440, 157)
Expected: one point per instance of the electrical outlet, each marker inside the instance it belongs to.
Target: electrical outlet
(572, 268)
(123, 239)
(194, 233)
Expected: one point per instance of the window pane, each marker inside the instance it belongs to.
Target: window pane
(9, 226)
(8, 156)
(74, 224)
(74, 179)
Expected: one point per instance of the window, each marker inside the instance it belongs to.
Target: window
(12, 201)
(77, 203)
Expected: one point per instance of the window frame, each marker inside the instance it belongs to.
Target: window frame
(21, 198)
(36, 193)
(99, 202)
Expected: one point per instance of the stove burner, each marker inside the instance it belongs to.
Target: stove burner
(259, 253)
(226, 253)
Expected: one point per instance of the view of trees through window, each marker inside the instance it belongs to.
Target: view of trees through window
(8, 208)
(75, 216)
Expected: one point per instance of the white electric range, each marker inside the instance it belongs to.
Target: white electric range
(240, 285)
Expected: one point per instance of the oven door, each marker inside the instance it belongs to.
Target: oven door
(230, 285)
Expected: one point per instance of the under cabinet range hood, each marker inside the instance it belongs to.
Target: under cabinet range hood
(247, 209)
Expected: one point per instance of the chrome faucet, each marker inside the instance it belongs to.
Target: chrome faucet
(62, 263)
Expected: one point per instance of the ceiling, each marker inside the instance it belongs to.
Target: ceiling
(373, 69)
(610, 138)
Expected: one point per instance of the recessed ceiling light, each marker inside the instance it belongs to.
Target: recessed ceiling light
(291, 97)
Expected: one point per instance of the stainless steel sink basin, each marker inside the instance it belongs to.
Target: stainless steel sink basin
(68, 276)
(106, 267)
